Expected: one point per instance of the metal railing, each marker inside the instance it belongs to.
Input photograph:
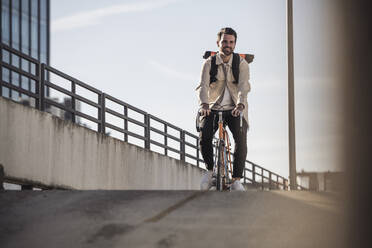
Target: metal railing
(24, 77)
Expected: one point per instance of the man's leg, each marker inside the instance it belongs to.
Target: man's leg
(206, 136)
(240, 138)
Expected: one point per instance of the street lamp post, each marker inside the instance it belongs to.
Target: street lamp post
(291, 102)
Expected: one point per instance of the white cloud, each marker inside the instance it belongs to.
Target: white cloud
(168, 71)
(93, 17)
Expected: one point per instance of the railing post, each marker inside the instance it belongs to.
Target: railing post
(126, 123)
(182, 146)
(270, 181)
(165, 139)
(41, 76)
(262, 179)
(73, 104)
(254, 174)
(147, 131)
(102, 113)
(10, 78)
(277, 182)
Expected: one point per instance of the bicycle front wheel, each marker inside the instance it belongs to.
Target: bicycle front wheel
(220, 167)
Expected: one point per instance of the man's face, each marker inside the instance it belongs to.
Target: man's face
(227, 44)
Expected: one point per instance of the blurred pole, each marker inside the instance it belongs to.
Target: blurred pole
(356, 72)
(291, 102)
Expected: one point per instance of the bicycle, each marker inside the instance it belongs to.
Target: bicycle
(222, 168)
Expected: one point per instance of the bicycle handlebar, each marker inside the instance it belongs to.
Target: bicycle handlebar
(220, 118)
(240, 116)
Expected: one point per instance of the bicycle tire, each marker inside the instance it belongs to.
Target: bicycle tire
(219, 179)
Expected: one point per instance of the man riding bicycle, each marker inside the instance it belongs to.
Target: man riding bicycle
(223, 93)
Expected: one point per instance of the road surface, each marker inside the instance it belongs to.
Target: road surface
(164, 219)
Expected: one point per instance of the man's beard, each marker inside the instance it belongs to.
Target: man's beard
(227, 51)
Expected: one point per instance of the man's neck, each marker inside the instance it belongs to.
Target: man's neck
(225, 58)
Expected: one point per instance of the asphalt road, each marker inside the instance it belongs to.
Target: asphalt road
(163, 219)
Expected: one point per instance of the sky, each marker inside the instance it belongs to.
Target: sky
(149, 54)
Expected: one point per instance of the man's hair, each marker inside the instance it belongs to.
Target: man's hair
(226, 31)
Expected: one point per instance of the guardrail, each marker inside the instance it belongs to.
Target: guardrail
(23, 77)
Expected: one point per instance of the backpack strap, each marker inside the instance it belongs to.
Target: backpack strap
(213, 71)
(235, 67)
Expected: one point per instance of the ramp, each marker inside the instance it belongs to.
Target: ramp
(170, 219)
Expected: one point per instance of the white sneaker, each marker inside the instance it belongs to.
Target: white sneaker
(206, 182)
(237, 186)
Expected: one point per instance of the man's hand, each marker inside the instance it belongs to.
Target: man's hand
(237, 110)
(204, 110)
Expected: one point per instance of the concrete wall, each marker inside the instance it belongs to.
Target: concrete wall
(42, 148)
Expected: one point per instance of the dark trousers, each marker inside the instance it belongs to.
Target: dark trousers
(210, 126)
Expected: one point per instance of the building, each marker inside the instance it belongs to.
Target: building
(321, 181)
(25, 27)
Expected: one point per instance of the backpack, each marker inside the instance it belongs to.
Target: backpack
(235, 65)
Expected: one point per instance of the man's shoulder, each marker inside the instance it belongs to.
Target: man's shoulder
(243, 60)
(243, 63)
(208, 61)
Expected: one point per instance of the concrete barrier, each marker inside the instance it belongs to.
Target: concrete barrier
(39, 147)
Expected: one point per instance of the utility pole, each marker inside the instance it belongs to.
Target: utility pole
(291, 102)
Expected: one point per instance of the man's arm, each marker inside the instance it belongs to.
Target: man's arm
(203, 88)
(243, 88)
